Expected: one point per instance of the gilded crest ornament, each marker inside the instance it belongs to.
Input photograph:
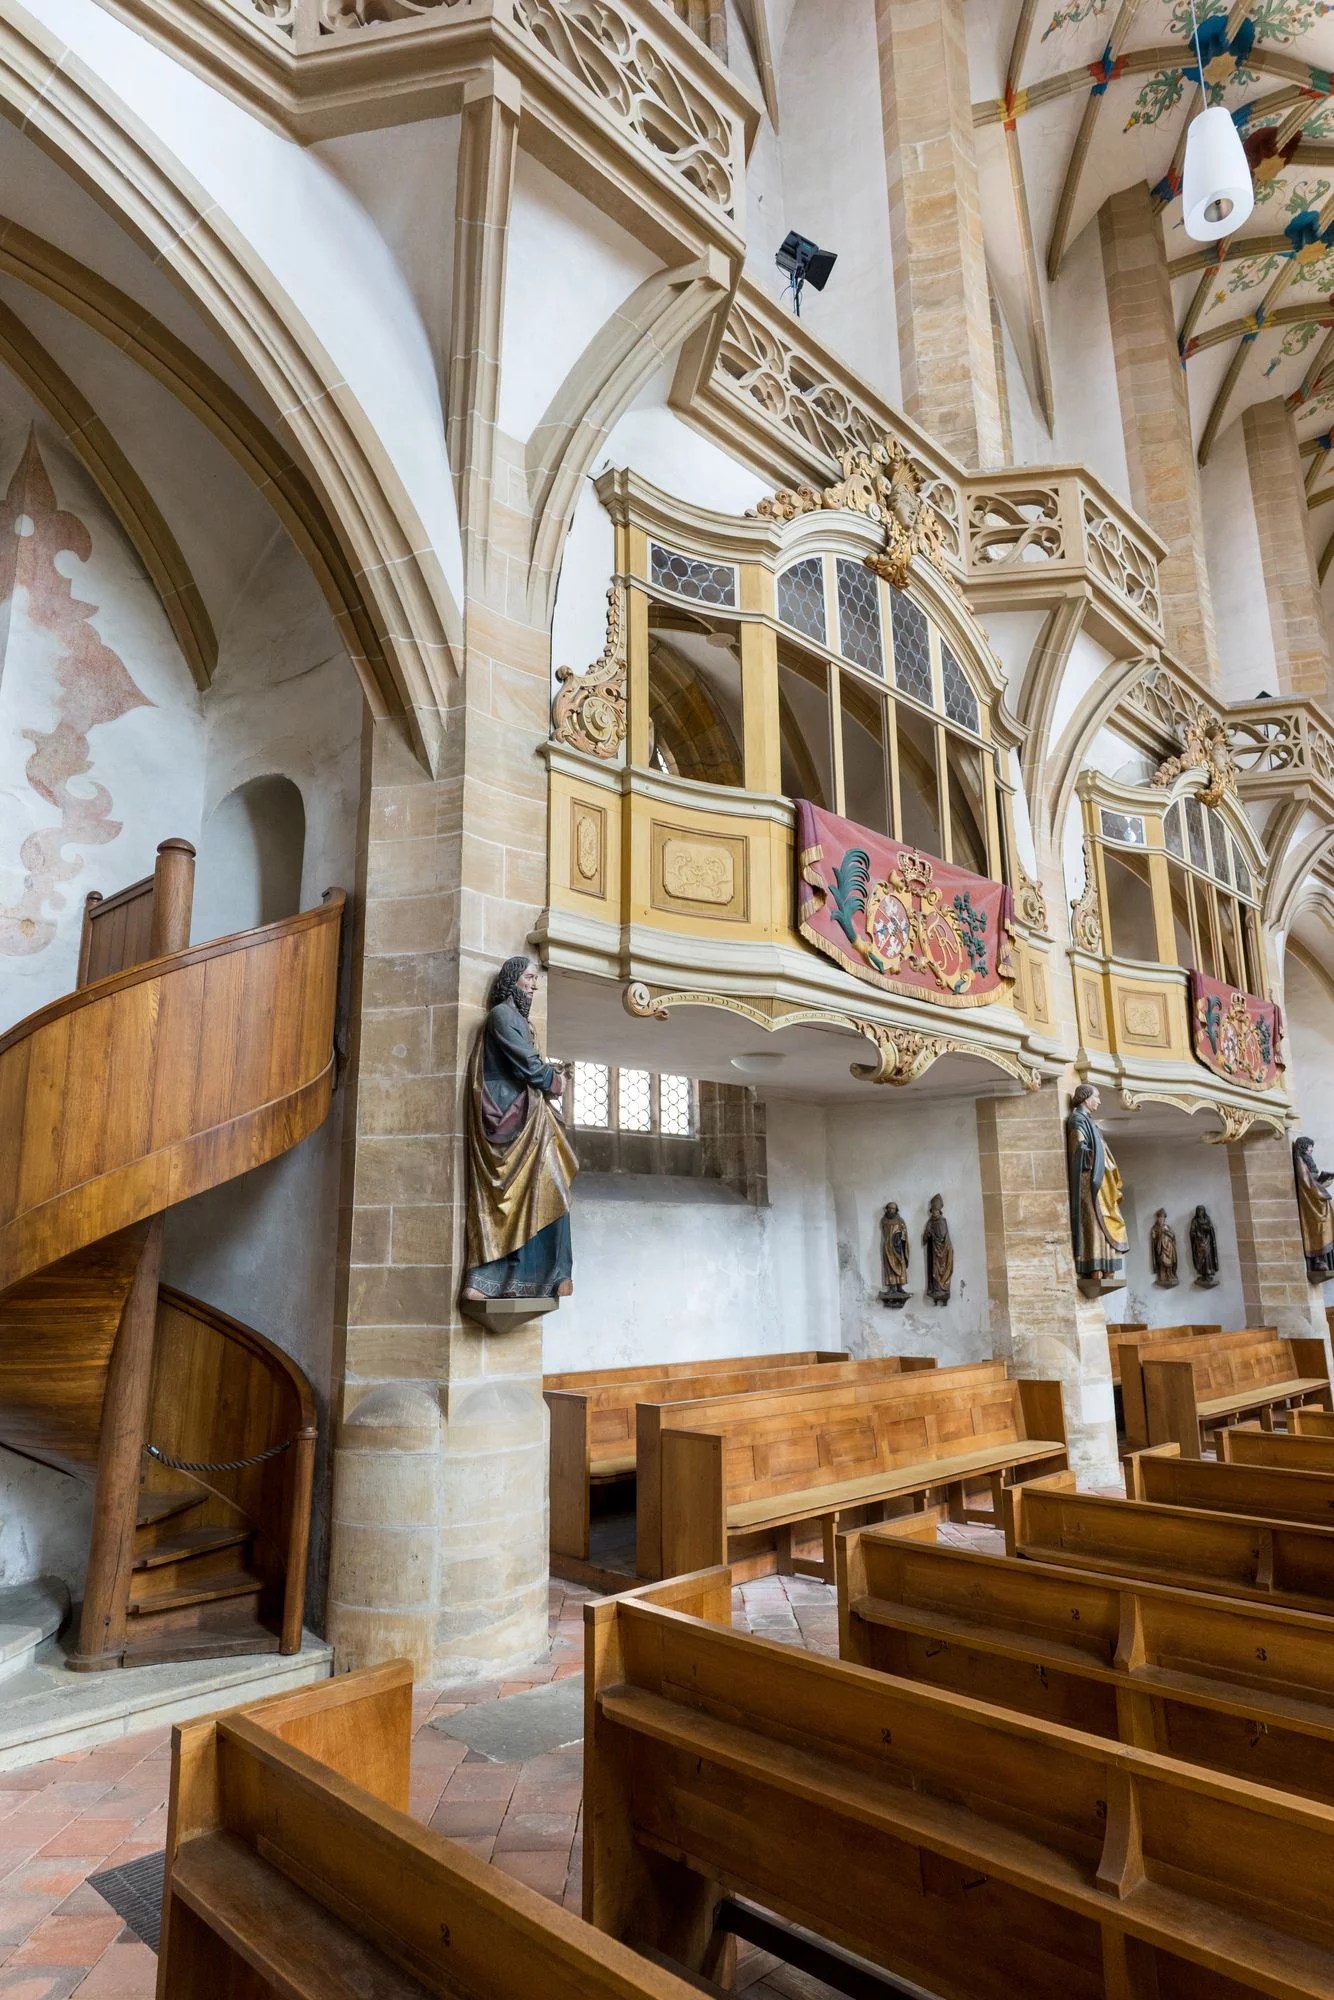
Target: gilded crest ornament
(1204, 741)
(589, 711)
(885, 483)
(1085, 911)
(1030, 904)
(907, 926)
(1242, 1042)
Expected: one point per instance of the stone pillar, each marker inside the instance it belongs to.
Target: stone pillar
(1296, 614)
(1042, 1323)
(1269, 1240)
(1155, 417)
(943, 301)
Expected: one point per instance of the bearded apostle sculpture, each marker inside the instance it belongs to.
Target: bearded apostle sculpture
(939, 1249)
(1204, 1247)
(1163, 1250)
(1316, 1204)
(893, 1256)
(1097, 1232)
(521, 1163)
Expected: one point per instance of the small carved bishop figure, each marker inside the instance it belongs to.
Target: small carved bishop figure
(1316, 1204)
(1163, 1250)
(1204, 1248)
(939, 1253)
(893, 1256)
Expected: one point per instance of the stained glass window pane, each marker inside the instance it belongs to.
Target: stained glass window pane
(592, 1094)
(1128, 828)
(960, 701)
(1172, 833)
(912, 647)
(674, 1106)
(859, 616)
(1242, 874)
(1218, 842)
(801, 597)
(705, 582)
(636, 1100)
(1195, 832)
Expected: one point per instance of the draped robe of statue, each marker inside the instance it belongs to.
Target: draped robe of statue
(521, 1165)
(939, 1247)
(1316, 1205)
(1204, 1247)
(1163, 1250)
(1098, 1233)
(893, 1257)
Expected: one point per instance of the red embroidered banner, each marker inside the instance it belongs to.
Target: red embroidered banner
(898, 918)
(1235, 1034)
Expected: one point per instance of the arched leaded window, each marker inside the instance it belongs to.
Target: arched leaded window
(1212, 890)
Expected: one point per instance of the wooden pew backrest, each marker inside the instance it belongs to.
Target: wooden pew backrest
(653, 1371)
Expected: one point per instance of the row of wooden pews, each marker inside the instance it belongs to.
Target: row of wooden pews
(759, 1461)
(1179, 1385)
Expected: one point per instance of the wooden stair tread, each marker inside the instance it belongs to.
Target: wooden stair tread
(299, 1948)
(155, 1507)
(191, 1542)
(236, 1583)
(148, 1647)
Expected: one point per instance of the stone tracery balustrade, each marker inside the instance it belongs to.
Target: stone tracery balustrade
(641, 61)
(1281, 739)
(777, 388)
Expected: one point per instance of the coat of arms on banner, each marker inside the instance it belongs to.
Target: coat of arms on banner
(1236, 1035)
(900, 918)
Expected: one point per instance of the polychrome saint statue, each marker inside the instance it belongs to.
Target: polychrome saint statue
(1098, 1234)
(1316, 1204)
(521, 1163)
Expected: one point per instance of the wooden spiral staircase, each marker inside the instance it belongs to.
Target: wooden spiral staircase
(171, 1069)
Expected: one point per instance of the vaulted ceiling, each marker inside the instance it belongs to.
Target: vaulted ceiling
(1075, 101)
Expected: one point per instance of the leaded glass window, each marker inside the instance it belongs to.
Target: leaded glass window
(859, 616)
(688, 576)
(960, 701)
(912, 648)
(675, 1105)
(635, 1100)
(592, 1094)
(1172, 833)
(801, 597)
(1127, 828)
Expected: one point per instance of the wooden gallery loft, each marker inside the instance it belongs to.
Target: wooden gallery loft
(713, 1376)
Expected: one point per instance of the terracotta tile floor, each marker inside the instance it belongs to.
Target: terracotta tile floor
(65, 1820)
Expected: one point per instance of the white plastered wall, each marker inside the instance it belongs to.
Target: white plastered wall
(1236, 577)
(1176, 1174)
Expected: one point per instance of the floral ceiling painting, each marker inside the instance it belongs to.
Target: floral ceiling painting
(1094, 96)
(48, 640)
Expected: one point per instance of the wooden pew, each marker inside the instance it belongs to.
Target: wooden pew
(1232, 1686)
(1300, 1451)
(981, 1854)
(1313, 1423)
(743, 1483)
(654, 1420)
(1146, 1336)
(654, 1371)
(593, 1429)
(1229, 1555)
(1193, 1386)
(1219, 1486)
(294, 1871)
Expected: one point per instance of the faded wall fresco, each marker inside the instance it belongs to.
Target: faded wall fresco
(91, 685)
(101, 727)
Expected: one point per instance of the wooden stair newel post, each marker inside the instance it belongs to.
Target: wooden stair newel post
(116, 1496)
(173, 898)
(106, 1594)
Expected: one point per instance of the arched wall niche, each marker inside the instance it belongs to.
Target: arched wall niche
(251, 854)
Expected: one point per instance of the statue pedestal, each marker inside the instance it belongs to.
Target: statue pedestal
(503, 1315)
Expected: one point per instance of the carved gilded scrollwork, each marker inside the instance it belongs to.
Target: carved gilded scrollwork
(887, 485)
(902, 1054)
(1086, 910)
(1204, 741)
(1030, 905)
(589, 711)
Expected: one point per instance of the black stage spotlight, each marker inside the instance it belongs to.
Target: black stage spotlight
(806, 264)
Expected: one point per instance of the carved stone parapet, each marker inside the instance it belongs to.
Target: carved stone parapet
(589, 711)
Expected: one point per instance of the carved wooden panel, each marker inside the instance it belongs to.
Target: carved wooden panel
(588, 848)
(1142, 1018)
(699, 874)
(1090, 1009)
(1037, 987)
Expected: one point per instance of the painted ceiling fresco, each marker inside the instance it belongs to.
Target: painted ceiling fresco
(1094, 95)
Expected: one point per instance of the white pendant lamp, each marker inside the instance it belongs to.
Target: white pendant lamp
(1217, 194)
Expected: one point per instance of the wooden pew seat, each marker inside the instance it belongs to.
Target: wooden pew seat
(976, 1852)
(1175, 1392)
(741, 1489)
(948, 1470)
